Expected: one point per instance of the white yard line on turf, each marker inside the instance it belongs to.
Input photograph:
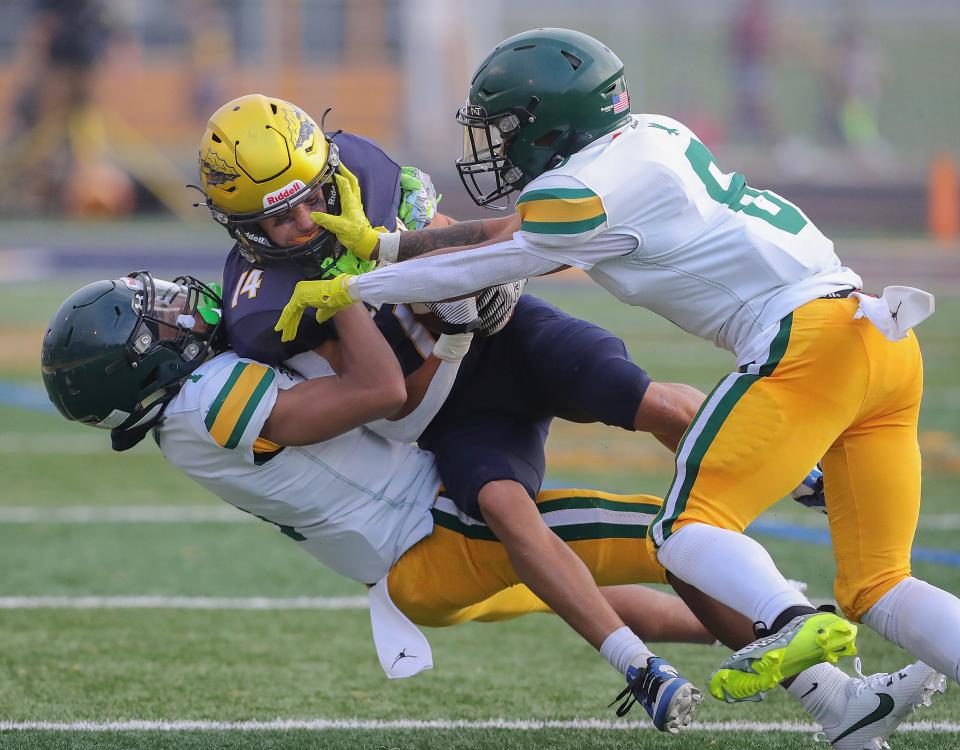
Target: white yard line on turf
(283, 725)
(35, 514)
(183, 602)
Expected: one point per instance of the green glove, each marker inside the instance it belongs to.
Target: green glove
(210, 308)
(347, 263)
(418, 198)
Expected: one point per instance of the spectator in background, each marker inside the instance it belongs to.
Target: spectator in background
(751, 43)
(852, 86)
(56, 147)
(211, 53)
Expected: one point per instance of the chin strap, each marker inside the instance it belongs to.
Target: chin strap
(121, 440)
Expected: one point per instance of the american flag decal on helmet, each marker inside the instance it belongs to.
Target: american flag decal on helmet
(621, 102)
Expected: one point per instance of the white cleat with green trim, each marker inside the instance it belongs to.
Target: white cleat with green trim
(868, 710)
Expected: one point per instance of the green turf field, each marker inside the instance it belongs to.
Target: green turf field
(77, 521)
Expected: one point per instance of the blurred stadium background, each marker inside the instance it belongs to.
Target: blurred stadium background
(851, 109)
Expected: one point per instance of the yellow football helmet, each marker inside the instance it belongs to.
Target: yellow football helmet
(259, 157)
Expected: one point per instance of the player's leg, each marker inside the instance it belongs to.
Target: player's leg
(659, 617)
(751, 442)
(872, 478)
(606, 542)
(492, 465)
(655, 616)
(874, 502)
(548, 566)
(666, 410)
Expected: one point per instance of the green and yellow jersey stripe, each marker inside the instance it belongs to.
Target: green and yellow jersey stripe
(560, 211)
(236, 402)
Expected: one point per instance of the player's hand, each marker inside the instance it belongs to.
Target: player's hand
(810, 492)
(327, 297)
(452, 347)
(351, 227)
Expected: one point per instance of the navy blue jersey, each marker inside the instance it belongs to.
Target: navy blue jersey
(253, 298)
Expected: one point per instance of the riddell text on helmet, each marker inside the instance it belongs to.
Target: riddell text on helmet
(271, 199)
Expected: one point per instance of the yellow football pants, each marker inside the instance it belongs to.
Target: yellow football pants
(461, 572)
(832, 387)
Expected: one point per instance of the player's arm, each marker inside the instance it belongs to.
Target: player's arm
(418, 383)
(368, 385)
(453, 235)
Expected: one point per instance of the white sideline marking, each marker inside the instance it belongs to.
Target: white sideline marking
(33, 514)
(183, 602)
(522, 725)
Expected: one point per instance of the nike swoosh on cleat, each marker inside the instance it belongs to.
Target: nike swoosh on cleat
(813, 687)
(884, 708)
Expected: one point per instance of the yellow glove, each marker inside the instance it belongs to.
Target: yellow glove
(326, 296)
(351, 227)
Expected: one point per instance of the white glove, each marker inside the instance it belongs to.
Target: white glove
(452, 347)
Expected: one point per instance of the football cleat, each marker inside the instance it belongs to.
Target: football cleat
(668, 698)
(804, 641)
(869, 709)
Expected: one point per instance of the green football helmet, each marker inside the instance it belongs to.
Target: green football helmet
(116, 352)
(536, 99)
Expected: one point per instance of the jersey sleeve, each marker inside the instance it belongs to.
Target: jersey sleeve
(564, 221)
(565, 210)
(236, 404)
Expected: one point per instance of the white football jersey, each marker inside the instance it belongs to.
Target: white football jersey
(355, 502)
(649, 215)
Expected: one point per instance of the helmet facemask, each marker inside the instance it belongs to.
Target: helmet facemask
(168, 316)
(165, 345)
(485, 170)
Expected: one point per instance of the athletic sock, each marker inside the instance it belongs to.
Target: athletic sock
(732, 568)
(816, 689)
(787, 615)
(622, 648)
(922, 619)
